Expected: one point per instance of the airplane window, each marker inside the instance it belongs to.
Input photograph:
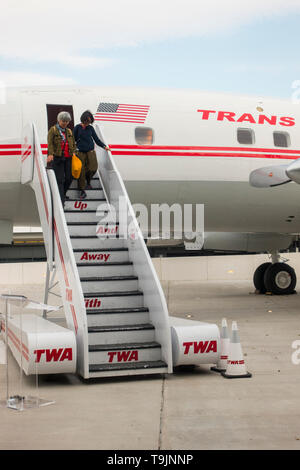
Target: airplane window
(245, 136)
(281, 139)
(144, 135)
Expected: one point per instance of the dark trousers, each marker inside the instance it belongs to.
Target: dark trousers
(89, 167)
(63, 171)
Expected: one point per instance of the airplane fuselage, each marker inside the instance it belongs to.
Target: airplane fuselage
(202, 149)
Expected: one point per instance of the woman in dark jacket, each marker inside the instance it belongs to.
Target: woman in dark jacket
(85, 138)
(61, 146)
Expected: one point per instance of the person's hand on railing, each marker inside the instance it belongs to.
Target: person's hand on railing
(106, 148)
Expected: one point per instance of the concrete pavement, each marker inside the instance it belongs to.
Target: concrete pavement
(191, 409)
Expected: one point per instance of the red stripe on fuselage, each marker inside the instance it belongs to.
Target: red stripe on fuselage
(180, 151)
(203, 154)
(10, 146)
(188, 148)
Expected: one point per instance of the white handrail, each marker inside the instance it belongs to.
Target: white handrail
(56, 234)
(34, 173)
(70, 285)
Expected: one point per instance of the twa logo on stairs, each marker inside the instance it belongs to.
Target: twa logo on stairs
(123, 356)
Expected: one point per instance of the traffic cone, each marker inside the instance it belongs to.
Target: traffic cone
(224, 348)
(236, 368)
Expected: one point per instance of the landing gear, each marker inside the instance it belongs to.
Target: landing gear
(280, 279)
(258, 278)
(276, 278)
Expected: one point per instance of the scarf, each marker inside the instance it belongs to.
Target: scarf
(63, 132)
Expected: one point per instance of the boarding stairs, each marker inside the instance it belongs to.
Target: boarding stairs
(111, 295)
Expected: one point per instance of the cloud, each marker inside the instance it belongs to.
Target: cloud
(65, 32)
(19, 78)
(83, 62)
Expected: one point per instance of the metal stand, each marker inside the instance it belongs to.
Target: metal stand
(49, 285)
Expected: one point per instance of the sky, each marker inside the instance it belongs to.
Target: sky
(239, 46)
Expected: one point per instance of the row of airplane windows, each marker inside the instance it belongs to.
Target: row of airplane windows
(145, 136)
(247, 136)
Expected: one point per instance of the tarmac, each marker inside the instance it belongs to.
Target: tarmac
(191, 409)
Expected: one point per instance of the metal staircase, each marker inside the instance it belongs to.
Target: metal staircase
(111, 295)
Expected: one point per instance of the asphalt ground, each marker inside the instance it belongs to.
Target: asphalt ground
(191, 409)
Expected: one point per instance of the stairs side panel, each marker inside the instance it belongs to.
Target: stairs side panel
(71, 289)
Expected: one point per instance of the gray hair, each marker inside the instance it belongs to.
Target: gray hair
(64, 116)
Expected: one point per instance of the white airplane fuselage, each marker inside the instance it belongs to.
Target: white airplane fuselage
(195, 156)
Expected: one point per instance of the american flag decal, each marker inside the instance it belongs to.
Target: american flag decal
(121, 112)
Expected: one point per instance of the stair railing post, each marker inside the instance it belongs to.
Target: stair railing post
(46, 295)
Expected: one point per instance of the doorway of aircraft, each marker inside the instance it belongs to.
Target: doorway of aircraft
(54, 109)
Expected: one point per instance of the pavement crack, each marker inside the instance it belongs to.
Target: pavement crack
(161, 412)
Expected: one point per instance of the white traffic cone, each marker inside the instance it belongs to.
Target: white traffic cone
(236, 368)
(224, 348)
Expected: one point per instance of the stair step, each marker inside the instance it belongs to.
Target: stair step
(111, 334)
(117, 310)
(124, 353)
(86, 216)
(109, 283)
(137, 367)
(93, 188)
(94, 193)
(87, 199)
(118, 316)
(122, 347)
(94, 237)
(110, 230)
(74, 211)
(116, 293)
(124, 268)
(110, 300)
(93, 242)
(109, 278)
(77, 250)
(95, 182)
(84, 224)
(115, 328)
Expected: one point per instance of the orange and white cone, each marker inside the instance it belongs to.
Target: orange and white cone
(236, 368)
(224, 348)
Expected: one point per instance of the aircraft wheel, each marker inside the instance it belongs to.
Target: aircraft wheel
(258, 278)
(280, 279)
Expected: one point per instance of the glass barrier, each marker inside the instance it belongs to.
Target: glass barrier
(18, 328)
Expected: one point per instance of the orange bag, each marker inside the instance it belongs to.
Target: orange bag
(76, 166)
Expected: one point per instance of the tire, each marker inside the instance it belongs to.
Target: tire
(258, 278)
(280, 279)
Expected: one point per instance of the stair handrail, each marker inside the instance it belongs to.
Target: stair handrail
(33, 173)
(154, 298)
(50, 209)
